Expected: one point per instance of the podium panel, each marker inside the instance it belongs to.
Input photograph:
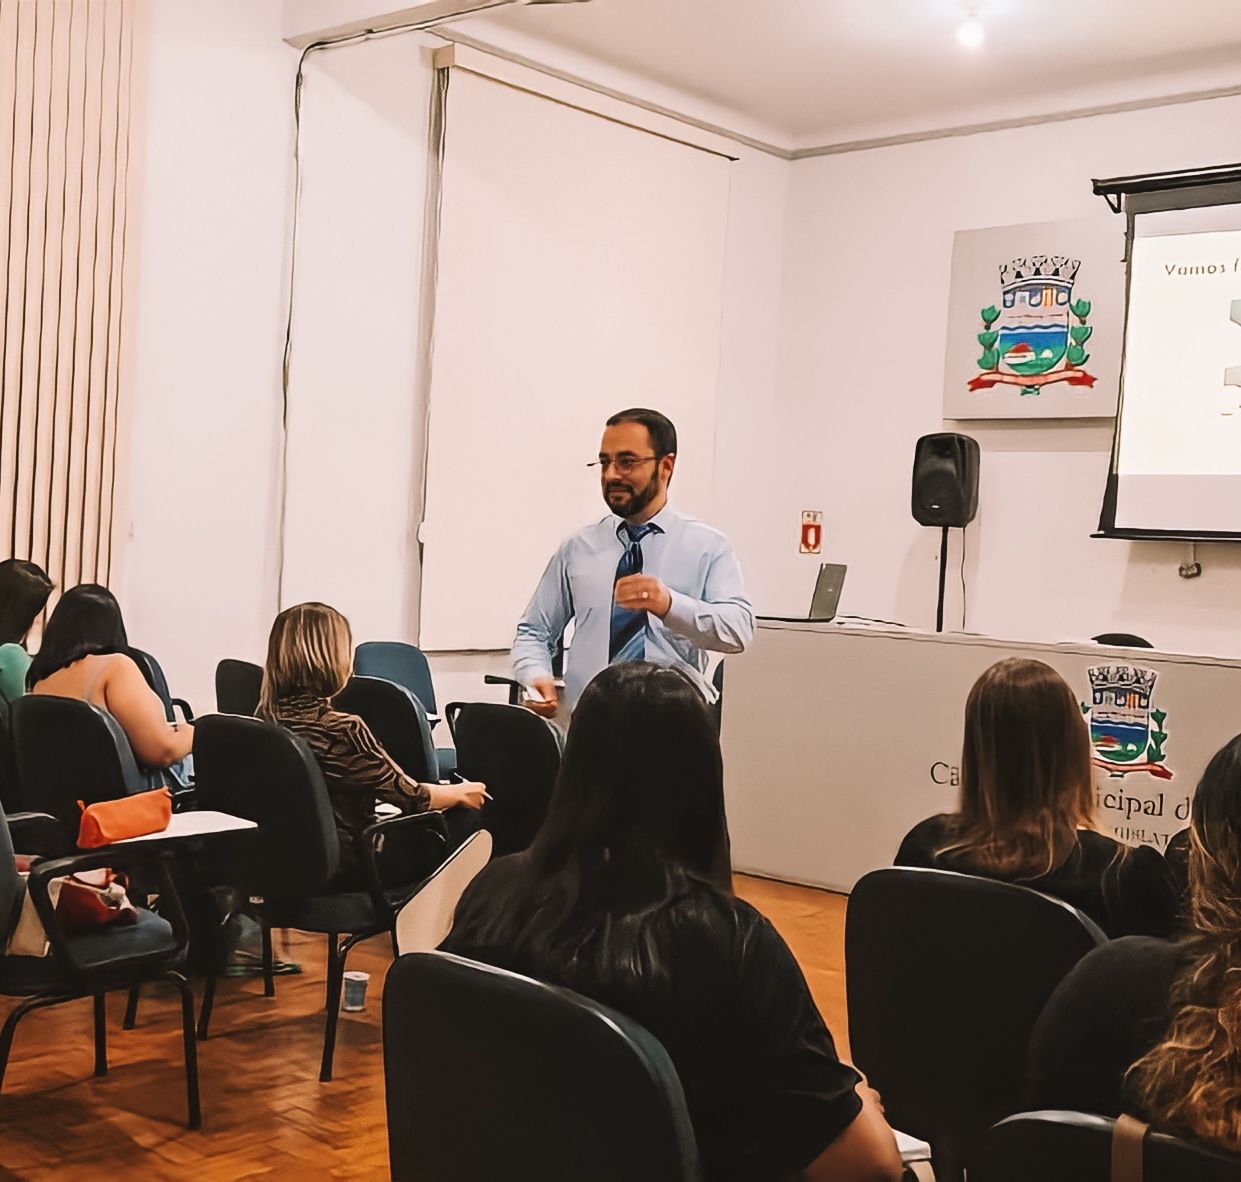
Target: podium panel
(838, 740)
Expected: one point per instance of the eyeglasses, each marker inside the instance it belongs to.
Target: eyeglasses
(623, 464)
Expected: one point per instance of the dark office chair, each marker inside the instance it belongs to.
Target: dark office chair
(159, 683)
(1122, 640)
(11, 797)
(393, 660)
(946, 974)
(238, 685)
(564, 1088)
(406, 665)
(69, 751)
(1077, 1147)
(97, 962)
(396, 718)
(517, 755)
(264, 773)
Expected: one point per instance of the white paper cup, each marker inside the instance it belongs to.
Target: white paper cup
(355, 991)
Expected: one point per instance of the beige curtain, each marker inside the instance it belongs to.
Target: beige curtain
(67, 73)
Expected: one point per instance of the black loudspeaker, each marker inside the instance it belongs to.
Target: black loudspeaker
(945, 485)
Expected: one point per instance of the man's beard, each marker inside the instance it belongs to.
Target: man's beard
(634, 501)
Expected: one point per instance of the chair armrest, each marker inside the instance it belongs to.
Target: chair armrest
(38, 833)
(388, 839)
(514, 687)
(42, 873)
(184, 706)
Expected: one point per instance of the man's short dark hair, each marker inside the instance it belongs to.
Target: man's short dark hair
(663, 434)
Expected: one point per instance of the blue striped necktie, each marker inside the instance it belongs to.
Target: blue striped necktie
(628, 640)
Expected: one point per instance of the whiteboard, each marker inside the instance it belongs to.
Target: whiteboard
(580, 272)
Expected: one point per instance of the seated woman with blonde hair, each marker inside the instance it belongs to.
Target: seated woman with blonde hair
(83, 655)
(309, 661)
(1027, 808)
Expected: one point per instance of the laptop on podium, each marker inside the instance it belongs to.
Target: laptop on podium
(826, 597)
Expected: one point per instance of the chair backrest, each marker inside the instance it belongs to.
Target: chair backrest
(424, 922)
(393, 660)
(558, 1087)
(396, 718)
(237, 686)
(1077, 1147)
(262, 772)
(946, 974)
(12, 888)
(68, 750)
(155, 678)
(11, 798)
(1122, 640)
(517, 755)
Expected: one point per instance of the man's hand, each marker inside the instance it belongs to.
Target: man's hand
(643, 593)
(547, 688)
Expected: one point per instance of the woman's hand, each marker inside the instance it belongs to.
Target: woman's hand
(470, 794)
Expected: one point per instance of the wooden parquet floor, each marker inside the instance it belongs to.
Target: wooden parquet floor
(265, 1113)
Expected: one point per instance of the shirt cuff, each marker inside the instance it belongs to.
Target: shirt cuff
(680, 614)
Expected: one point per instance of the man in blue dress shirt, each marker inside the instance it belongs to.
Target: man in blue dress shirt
(645, 583)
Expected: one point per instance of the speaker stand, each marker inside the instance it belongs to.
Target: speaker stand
(943, 575)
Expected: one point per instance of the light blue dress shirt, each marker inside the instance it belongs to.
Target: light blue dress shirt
(709, 612)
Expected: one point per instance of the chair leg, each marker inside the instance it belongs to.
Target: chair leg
(131, 1010)
(101, 1034)
(269, 976)
(18, 1012)
(204, 1013)
(213, 969)
(337, 953)
(335, 979)
(191, 1049)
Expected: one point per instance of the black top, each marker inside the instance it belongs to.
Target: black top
(1104, 1016)
(765, 1089)
(1177, 857)
(1126, 890)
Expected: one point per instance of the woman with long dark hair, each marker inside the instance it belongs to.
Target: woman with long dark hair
(24, 591)
(622, 897)
(1027, 807)
(1153, 1027)
(83, 655)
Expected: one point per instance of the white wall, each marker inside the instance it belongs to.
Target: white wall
(210, 293)
(355, 383)
(808, 417)
(197, 573)
(371, 93)
(869, 236)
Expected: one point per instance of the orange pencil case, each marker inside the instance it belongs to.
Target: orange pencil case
(130, 816)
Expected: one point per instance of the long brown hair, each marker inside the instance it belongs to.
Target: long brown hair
(310, 651)
(1190, 1082)
(1026, 783)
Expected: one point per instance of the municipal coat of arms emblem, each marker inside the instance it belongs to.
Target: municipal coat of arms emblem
(1038, 335)
(1126, 734)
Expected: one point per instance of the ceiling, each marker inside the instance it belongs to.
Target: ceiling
(817, 72)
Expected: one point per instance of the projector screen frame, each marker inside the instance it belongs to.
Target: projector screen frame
(1157, 192)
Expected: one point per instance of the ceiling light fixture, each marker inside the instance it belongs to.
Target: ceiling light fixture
(971, 33)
